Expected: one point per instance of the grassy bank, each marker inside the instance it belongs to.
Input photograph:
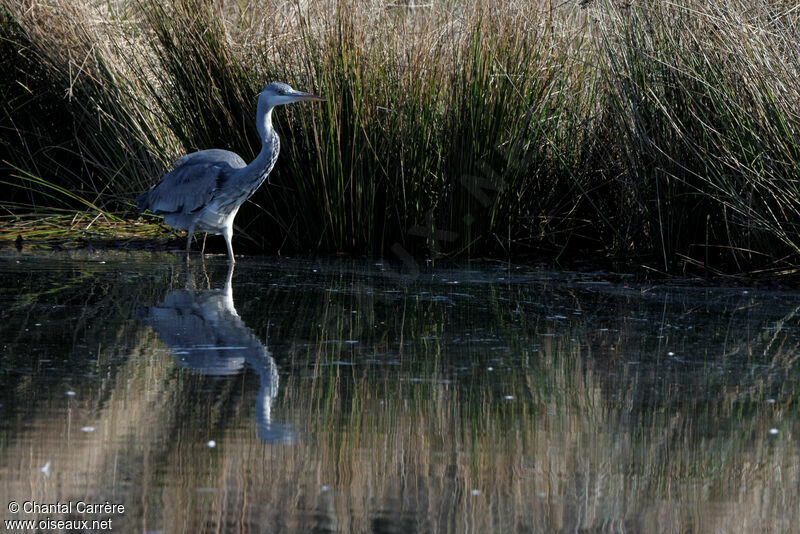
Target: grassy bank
(665, 135)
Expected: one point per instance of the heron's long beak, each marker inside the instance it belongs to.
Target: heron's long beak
(299, 96)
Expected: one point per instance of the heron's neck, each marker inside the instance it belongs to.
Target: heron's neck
(265, 158)
(264, 122)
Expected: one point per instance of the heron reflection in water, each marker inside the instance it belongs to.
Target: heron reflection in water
(207, 336)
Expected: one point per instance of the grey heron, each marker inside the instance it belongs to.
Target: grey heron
(205, 189)
(207, 336)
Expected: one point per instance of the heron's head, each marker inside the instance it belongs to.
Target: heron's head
(277, 93)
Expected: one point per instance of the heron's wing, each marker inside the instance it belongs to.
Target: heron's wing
(192, 183)
(213, 155)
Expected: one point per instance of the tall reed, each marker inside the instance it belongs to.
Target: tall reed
(665, 133)
(705, 98)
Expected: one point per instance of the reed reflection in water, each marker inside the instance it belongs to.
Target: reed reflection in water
(480, 400)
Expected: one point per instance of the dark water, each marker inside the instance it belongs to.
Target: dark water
(343, 396)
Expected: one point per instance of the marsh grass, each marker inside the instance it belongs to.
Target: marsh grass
(706, 107)
(71, 231)
(664, 134)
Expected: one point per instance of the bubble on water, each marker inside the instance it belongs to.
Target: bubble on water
(509, 397)
(770, 401)
(45, 469)
(70, 393)
(211, 444)
(670, 353)
(87, 429)
(773, 431)
(541, 495)
(475, 492)
(325, 488)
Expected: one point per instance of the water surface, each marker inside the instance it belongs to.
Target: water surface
(345, 396)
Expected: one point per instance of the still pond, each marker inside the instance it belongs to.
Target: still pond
(290, 395)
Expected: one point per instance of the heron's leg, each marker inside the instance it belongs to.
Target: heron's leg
(227, 233)
(189, 240)
(203, 249)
